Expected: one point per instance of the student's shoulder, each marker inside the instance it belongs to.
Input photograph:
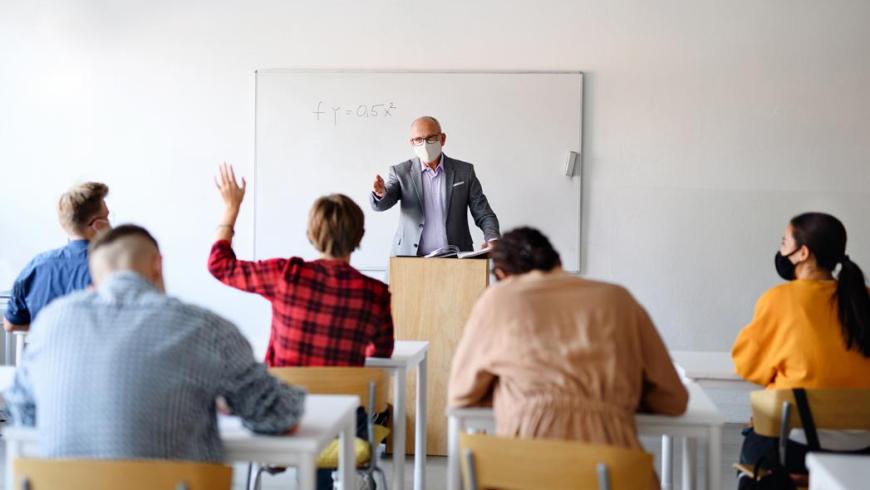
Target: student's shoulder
(606, 290)
(69, 304)
(370, 283)
(40, 260)
(777, 293)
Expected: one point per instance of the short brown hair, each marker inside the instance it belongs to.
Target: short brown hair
(79, 205)
(335, 225)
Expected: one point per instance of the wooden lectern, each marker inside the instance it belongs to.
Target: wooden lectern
(432, 299)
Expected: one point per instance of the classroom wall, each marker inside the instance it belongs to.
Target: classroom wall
(707, 124)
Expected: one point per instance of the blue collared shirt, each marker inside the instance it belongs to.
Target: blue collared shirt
(126, 372)
(48, 276)
(434, 234)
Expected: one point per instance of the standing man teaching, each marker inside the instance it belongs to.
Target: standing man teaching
(436, 191)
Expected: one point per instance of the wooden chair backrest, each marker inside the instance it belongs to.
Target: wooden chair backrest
(835, 409)
(338, 381)
(90, 474)
(533, 464)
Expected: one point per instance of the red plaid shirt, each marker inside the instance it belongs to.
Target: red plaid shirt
(324, 312)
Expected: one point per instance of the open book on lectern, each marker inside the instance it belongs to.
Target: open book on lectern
(453, 251)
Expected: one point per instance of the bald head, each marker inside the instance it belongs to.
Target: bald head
(126, 248)
(426, 125)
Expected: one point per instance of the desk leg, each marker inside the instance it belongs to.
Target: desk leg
(399, 388)
(453, 476)
(306, 473)
(8, 342)
(690, 462)
(12, 450)
(714, 458)
(420, 428)
(346, 456)
(667, 462)
(19, 346)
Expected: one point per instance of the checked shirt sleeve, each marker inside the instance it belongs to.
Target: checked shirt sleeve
(265, 405)
(20, 402)
(260, 277)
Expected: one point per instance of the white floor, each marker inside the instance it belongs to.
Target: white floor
(436, 469)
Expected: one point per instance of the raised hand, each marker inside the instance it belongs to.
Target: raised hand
(379, 188)
(231, 193)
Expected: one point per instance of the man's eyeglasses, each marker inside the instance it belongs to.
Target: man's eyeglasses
(431, 139)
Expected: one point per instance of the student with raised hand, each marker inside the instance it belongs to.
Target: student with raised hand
(126, 372)
(82, 213)
(812, 331)
(324, 312)
(559, 356)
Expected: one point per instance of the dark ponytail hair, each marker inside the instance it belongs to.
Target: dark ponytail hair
(825, 236)
(524, 250)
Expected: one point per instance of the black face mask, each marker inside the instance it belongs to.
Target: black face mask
(784, 267)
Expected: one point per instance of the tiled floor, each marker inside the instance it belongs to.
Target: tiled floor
(436, 469)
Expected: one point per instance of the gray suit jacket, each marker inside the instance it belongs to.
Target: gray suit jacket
(463, 191)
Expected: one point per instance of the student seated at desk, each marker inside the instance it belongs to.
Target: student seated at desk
(324, 312)
(82, 213)
(127, 372)
(559, 356)
(810, 332)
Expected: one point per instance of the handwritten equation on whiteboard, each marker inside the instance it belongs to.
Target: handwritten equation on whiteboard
(336, 113)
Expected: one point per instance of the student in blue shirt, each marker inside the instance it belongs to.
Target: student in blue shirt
(82, 213)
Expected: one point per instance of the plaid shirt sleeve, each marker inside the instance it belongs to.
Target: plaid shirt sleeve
(383, 339)
(260, 277)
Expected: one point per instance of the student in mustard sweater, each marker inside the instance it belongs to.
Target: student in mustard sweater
(811, 332)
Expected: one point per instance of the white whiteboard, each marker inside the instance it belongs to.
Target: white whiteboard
(321, 132)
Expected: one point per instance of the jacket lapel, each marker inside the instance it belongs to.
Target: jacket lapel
(449, 175)
(417, 179)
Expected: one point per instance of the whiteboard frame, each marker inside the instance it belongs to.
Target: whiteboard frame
(578, 172)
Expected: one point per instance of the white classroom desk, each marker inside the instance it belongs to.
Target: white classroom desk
(701, 421)
(838, 471)
(715, 372)
(407, 356)
(326, 416)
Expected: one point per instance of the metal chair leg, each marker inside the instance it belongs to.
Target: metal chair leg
(784, 430)
(258, 476)
(248, 477)
(472, 469)
(603, 477)
(383, 479)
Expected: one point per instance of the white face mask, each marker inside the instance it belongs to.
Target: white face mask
(428, 152)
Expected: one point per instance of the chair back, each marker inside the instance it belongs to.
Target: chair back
(833, 409)
(339, 381)
(90, 474)
(491, 462)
